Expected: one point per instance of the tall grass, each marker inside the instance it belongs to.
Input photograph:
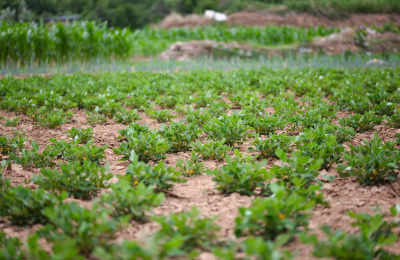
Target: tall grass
(34, 43)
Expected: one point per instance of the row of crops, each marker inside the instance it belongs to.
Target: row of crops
(218, 112)
(31, 42)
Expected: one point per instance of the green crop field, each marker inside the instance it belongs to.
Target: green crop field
(203, 164)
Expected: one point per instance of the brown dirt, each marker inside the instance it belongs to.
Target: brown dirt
(336, 43)
(308, 20)
(177, 20)
(264, 18)
(342, 194)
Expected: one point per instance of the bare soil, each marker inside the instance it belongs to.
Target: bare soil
(264, 18)
(342, 194)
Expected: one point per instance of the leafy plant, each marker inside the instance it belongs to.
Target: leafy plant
(13, 248)
(161, 116)
(394, 119)
(23, 206)
(330, 151)
(371, 163)
(126, 116)
(241, 175)
(198, 117)
(51, 119)
(74, 151)
(32, 158)
(95, 118)
(124, 200)
(146, 145)
(267, 148)
(82, 136)
(266, 124)
(375, 233)
(231, 128)
(361, 123)
(193, 232)
(11, 145)
(82, 180)
(211, 150)
(179, 135)
(12, 122)
(190, 167)
(159, 176)
(257, 248)
(296, 167)
(88, 228)
(284, 213)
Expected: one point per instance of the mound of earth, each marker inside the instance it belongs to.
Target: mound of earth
(290, 18)
(177, 20)
(308, 20)
(351, 40)
(186, 50)
(348, 40)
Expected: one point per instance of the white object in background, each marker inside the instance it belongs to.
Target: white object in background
(219, 17)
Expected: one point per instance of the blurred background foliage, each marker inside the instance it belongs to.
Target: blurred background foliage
(138, 13)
